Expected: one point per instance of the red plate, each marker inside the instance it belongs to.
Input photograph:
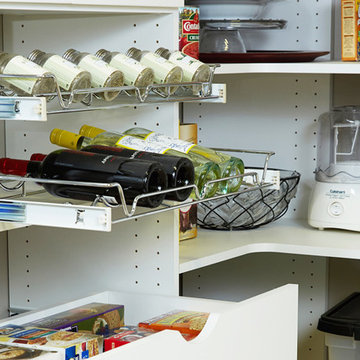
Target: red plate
(262, 56)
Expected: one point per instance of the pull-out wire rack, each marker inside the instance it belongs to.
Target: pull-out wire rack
(62, 101)
(60, 212)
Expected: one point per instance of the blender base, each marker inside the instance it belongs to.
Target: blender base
(335, 205)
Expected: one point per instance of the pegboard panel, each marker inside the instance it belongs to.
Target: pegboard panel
(308, 26)
(57, 33)
(250, 275)
(137, 256)
(25, 138)
(275, 112)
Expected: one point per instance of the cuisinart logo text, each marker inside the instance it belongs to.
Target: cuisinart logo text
(339, 192)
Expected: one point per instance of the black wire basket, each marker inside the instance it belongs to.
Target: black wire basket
(250, 209)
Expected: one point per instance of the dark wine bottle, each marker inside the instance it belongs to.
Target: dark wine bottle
(134, 175)
(180, 171)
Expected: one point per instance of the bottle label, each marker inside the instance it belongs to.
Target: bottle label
(161, 66)
(129, 67)
(100, 70)
(133, 143)
(187, 63)
(64, 70)
(21, 65)
(89, 161)
(172, 143)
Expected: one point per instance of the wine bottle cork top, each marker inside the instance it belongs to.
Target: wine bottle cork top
(65, 138)
(90, 131)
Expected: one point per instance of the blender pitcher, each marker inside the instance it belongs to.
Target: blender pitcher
(335, 201)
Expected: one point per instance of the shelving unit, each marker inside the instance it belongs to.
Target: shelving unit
(270, 106)
(315, 67)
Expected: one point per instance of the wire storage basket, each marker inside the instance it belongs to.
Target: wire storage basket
(249, 210)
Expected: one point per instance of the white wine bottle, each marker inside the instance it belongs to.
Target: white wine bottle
(229, 165)
(205, 170)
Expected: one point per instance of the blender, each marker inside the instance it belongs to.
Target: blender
(335, 200)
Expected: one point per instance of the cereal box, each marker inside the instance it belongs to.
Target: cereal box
(187, 322)
(350, 26)
(95, 318)
(189, 27)
(9, 352)
(125, 335)
(70, 345)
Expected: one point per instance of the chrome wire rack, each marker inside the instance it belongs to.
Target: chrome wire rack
(14, 208)
(61, 101)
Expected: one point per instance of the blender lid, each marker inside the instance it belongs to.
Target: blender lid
(237, 24)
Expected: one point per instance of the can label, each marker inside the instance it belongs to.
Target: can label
(23, 66)
(64, 71)
(161, 66)
(129, 67)
(189, 65)
(100, 70)
(189, 31)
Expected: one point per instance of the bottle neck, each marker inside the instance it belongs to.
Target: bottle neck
(19, 167)
(134, 53)
(37, 157)
(165, 53)
(67, 139)
(104, 55)
(37, 56)
(83, 141)
(73, 56)
(90, 131)
(33, 168)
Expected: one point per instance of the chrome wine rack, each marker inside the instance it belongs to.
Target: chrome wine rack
(97, 215)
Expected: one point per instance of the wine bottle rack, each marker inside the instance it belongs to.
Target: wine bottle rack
(100, 215)
(37, 107)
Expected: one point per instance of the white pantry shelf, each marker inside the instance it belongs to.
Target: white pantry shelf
(104, 6)
(284, 236)
(314, 67)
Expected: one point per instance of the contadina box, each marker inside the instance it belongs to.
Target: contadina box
(71, 345)
(9, 352)
(95, 318)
